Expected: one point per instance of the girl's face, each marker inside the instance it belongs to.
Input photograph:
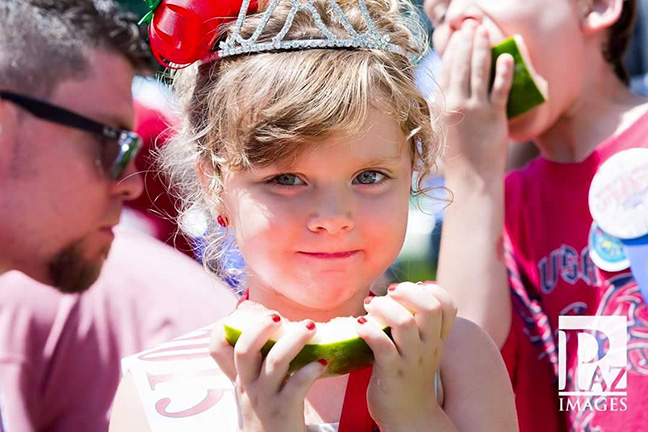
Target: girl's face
(552, 33)
(318, 232)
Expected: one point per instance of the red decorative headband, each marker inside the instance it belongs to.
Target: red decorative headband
(182, 32)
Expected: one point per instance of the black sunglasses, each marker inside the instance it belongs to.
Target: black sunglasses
(116, 154)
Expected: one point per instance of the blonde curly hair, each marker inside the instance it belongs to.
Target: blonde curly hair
(256, 110)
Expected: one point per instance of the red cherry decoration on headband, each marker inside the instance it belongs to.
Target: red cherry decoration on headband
(184, 31)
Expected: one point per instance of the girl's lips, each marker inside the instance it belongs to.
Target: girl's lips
(336, 255)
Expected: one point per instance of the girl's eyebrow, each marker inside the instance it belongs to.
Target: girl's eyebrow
(384, 160)
(388, 160)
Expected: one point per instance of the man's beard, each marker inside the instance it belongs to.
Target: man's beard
(71, 272)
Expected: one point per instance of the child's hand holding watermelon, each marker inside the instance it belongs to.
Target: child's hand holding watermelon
(478, 132)
(267, 399)
(401, 392)
(273, 361)
(477, 121)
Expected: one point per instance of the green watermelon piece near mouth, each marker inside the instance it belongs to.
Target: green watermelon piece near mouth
(335, 341)
(528, 89)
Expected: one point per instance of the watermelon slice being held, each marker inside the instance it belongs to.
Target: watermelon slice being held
(528, 89)
(335, 341)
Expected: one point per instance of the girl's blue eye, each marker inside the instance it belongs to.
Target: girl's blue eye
(287, 180)
(370, 178)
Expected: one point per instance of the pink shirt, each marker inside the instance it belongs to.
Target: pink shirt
(60, 354)
(551, 274)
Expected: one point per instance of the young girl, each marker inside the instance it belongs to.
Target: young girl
(306, 155)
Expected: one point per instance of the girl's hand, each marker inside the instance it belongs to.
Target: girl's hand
(268, 400)
(476, 116)
(401, 390)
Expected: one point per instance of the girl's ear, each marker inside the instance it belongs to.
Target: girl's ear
(600, 15)
(204, 179)
(206, 182)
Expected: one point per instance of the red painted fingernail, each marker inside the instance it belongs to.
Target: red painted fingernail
(310, 325)
(362, 320)
(392, 287)
(322, 362)
(367, 300)
(276, 318)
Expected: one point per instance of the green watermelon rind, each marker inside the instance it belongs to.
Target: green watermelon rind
(342, 356)
(525, 93)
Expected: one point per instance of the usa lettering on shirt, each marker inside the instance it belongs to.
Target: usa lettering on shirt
(569, 264)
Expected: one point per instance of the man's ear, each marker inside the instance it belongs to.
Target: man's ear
(599, 15)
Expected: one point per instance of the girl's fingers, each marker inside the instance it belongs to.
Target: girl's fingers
(222, 352)
(481, 65)
(447, 306)
(503, 81)
(275, 366)
(434, 308)
(247, 352)
(404, 328)
(426, 308)
(301, 381)
(384, 350)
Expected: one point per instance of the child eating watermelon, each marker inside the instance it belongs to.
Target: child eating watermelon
(302, 139)
(536, 223)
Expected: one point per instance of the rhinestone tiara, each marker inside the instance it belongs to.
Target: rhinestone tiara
(235, 44)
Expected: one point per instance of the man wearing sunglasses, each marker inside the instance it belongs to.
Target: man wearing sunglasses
(66, 145)
(66, 169)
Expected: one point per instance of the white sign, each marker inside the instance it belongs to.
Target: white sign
(601, 368)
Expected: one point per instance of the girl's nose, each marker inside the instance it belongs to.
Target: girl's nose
(333, 213)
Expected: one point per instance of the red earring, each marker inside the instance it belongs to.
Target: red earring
(222, 221)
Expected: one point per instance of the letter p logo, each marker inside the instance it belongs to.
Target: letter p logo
(599, 371)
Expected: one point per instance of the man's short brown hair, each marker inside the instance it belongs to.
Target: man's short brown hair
(43, 42)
